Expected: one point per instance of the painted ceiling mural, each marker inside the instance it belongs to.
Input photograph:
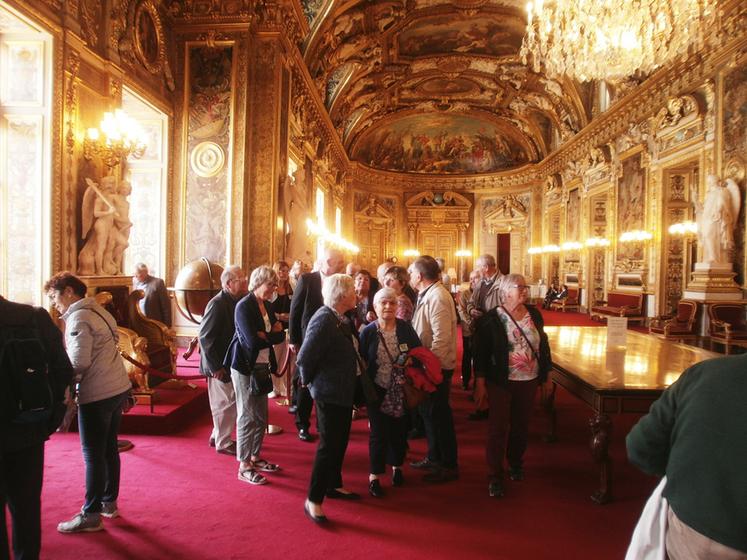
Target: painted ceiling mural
(437, 86)
(443, 35)
(439, 143)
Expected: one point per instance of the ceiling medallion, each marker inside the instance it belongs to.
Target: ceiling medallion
(612, 39)
(207, 159)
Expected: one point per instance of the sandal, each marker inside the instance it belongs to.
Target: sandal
(264, 466)
(252, 477)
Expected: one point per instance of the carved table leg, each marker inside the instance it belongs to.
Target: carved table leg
(191, 348)
(601, 427)
(549, 405)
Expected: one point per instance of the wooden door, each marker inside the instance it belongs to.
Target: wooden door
(372, 244)
(439, 243)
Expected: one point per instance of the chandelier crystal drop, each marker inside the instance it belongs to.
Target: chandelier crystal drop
(612, 39)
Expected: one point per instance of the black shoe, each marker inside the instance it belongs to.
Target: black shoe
(335, 494)
(375, 489)
(398, 479)
(211, 442)
(465, 386)
(495, 490)
(124, 445)
(478, 415)
(441, 475)
(292, 409)
(315, 518)
(425, 464)
(516, 474)
(304, 435)
(415, 434)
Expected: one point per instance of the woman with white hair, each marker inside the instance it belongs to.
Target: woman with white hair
(251, 359)
(328, 364)
(385, 344)
(512, 358)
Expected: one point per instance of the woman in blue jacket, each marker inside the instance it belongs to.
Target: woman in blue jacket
(251, 354)
(384, 345)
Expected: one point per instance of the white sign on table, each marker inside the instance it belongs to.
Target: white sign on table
(617, 328)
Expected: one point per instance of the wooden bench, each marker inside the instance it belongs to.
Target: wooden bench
(620, 304)
(570, 301)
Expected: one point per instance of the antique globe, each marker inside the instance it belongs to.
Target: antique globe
(194, 287)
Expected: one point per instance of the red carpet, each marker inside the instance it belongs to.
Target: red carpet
(181, 500)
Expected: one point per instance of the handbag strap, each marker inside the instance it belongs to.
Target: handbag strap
(531, 346)
(386, 348)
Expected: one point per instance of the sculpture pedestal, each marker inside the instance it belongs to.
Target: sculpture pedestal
(713, 281)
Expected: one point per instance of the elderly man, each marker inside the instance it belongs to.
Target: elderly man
(22, 444)
(485, 295)
(216, 331)
(156, 304)
(307, 298)
(695, 435)
(436, 324)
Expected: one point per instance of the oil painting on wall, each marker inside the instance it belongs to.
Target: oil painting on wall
(439, 144)
(443, 35)
(631, 206)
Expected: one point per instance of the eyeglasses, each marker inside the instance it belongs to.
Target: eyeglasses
(520, 286)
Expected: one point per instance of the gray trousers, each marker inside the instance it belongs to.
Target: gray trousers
(251, 418)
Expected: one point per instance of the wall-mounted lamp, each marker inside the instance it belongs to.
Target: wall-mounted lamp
(684, 228)
(571, 246)
(411, 253)
(463, 253)
(118, 136)
(597, 242)
(636, 235)
(331, 238)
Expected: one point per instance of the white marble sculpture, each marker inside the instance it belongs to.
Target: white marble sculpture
(717, 217)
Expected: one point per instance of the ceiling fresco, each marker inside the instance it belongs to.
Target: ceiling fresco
(410, 85)
(443, 35)
(439, 143)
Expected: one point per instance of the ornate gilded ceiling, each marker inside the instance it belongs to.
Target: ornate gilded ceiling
(425, 86)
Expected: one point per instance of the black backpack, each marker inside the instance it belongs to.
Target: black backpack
(25, 391)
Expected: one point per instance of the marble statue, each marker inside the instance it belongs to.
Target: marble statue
(97, 218)
(717, 217)
(105, 218)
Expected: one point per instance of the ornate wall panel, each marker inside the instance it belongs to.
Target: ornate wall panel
(735, 150)
(208, 104)
(375, 228)
(631, 207)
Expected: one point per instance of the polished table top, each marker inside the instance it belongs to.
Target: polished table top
(646, 362)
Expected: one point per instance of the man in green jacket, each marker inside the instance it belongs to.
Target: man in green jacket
(696, 435)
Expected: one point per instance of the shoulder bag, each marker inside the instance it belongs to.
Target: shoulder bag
(413, 395)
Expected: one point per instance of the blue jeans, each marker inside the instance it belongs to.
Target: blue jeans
(439, 424)
(98, 424)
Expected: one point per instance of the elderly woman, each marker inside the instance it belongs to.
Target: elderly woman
(103, 385)
(281, 301)
(251, 354)
(328, 364)
(512, 359)
(398, 279)
(364, 313)
(384, 344)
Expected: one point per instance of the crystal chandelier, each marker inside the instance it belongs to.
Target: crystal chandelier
(612, 39)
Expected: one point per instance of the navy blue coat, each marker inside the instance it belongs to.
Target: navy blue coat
(327, 359)
(369, 343)
(245, 345)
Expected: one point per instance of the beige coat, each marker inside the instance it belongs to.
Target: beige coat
(436, 324)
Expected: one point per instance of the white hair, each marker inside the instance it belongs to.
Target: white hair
(384, 293)
(229, 273)
(262, 275)
(506, 282)
(335, 288)
(486, 260)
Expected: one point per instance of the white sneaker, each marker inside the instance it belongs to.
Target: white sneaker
(82, 523)
(109, 510)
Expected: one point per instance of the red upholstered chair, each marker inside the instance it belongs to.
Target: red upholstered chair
(681, 325)
(728, 323)
(570, 301)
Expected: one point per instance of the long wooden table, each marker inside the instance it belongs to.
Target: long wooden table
(613, 380)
